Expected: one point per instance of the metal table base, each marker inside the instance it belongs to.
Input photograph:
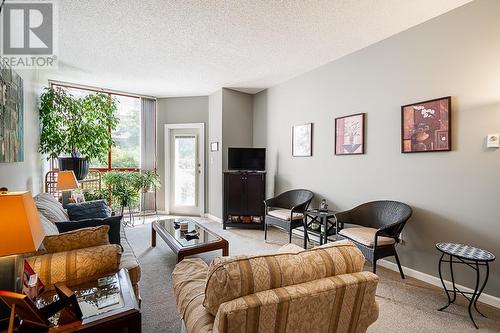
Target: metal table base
(472, 297)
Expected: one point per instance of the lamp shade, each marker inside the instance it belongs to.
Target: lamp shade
(21, 230)
(66, 180)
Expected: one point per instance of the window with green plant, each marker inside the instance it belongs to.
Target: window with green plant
(125, 154)
(76, 126)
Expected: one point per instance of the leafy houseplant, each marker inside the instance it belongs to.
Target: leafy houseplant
(149, 180)
(96, 195)
(124, 188)
(79, 128)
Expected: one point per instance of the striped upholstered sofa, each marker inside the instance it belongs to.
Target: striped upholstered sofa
(294, 290)
(81, 255)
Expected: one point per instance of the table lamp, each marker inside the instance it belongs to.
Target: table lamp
(21, 232)
(66, 181)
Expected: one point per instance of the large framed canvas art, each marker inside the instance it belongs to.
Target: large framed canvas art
(11, 116)
(426, 126)
(350, 134)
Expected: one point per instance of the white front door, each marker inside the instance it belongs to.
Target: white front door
(185, 170)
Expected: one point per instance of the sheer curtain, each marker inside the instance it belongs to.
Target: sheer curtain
(148, 146)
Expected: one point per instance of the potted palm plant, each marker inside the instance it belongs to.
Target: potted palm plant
(76, 130)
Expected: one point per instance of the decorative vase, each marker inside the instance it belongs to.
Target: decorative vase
(79, 165)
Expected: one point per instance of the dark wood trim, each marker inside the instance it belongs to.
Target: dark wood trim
(450, 126)
(363, 114)
(188, 251)
(310, 140)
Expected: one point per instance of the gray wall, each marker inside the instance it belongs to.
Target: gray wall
(454, 194)
(237, 121)
(259, 109)
(215, 158)
(178, 110)
(26, 175)
(231, 124)
(260, 132)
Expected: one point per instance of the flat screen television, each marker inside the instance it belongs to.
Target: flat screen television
(246, 159)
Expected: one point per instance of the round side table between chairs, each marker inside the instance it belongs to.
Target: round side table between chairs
(472, 257)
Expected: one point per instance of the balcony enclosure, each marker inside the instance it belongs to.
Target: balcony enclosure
(125, 155)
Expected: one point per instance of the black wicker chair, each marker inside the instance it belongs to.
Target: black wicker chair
(382, 223)
(287, 210)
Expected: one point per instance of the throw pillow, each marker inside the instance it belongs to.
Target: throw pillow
(49, 207)
(114, 223)
(77, 266)
(48, 227)
(88, 210)
(77, 239)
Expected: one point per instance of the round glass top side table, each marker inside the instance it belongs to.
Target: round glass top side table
(472, 257)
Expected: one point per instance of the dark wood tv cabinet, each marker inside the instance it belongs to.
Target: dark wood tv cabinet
(244, 195)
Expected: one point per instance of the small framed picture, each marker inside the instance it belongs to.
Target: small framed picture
(302, 140)
(214, 146)
(350, 134)
(426, 126)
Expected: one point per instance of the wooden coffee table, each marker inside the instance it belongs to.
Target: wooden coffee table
(183, 245)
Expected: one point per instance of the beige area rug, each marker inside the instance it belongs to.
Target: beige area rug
(405, 305)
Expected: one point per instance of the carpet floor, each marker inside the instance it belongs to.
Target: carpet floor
(405, 305)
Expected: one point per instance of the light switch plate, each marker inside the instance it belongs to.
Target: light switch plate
(493, 141)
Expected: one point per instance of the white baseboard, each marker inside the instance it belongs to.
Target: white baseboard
(435, 281)
(213, 217)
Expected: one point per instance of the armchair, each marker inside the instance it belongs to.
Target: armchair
(287, 210)
(381, 223)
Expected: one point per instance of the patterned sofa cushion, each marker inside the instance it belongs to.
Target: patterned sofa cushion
(228, 279)
(77, 266)
(77, 239)
(188, 280)
(129, 261)
(114, 223)
(50, 208)
(342, 303)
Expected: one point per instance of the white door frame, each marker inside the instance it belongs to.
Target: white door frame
(168, 171)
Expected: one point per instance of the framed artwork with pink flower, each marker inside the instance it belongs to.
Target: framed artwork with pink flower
(426, 126)
(350, 134)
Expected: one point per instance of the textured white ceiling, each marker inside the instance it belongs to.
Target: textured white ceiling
(194, 47)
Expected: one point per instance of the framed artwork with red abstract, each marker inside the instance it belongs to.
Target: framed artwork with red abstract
(350, 134)
(426, 126)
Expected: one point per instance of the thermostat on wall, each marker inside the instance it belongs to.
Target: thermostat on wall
(493, 141)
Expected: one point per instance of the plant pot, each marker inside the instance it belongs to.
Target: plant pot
(79, 165)
(148, 189)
